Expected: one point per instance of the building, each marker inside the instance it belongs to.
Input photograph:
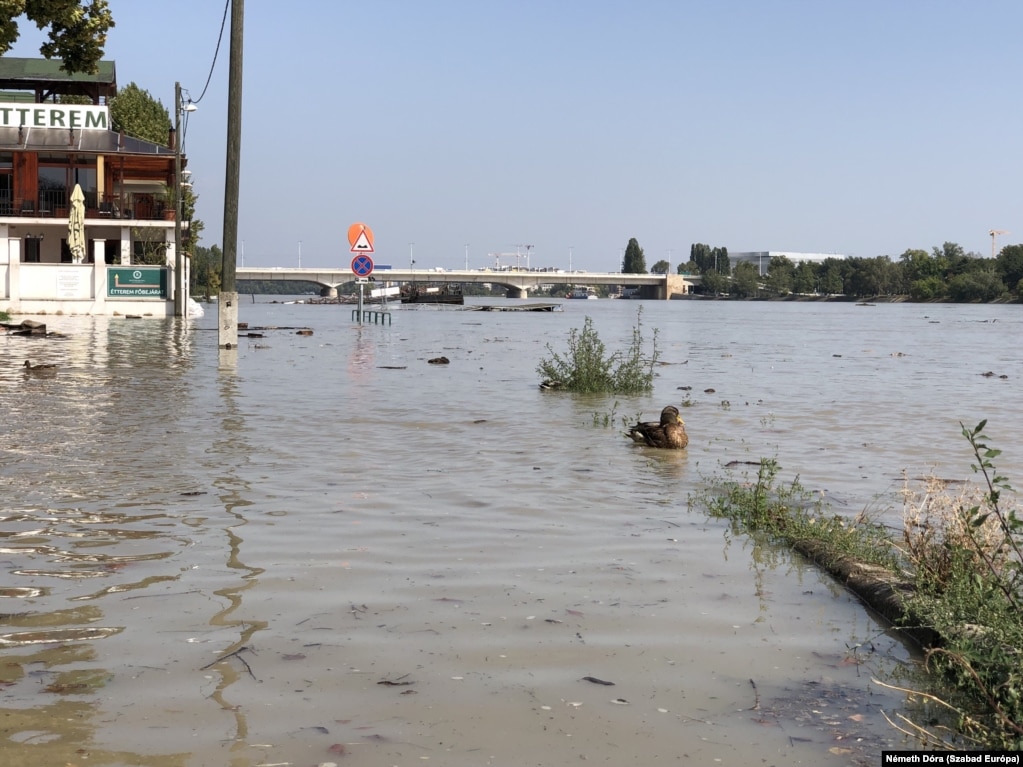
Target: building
(47, 149)
(762, 258)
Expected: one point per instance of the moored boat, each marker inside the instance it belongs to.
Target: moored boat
(432, 294)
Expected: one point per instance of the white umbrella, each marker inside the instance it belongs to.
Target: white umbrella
(76, 226)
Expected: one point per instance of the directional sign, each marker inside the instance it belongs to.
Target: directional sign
(360, 237)
(362, 266)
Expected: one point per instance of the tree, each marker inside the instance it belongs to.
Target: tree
(207, 265)
(918, 265)
(714, 283)
(976, 286)
(78, 32)
(634, 262)
(138, 114)
(780, 275)
(661, 267)
(804, 279)
(745, 280)
(1010, 265)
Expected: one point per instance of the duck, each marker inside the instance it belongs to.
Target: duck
(42, 368)
(669, 432)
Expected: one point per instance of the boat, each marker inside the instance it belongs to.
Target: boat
(432, 294)
(582, 291)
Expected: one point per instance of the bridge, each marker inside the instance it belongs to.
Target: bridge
(518, 282)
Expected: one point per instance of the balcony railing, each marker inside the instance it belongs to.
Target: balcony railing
(54, 203)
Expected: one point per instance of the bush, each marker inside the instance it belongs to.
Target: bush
(588, 368)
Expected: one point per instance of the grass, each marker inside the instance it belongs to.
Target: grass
(587, 367)
(951, 577)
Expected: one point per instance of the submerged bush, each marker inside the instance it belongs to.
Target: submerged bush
(588, 368)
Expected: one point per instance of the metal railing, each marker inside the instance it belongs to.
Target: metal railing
(54, 203)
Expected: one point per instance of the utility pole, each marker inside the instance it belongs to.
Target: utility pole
(228, 302)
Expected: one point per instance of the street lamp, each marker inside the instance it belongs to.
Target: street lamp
(180, 305)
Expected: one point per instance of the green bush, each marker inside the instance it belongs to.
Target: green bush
(588, 368)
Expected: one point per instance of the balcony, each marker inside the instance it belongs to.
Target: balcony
(54, 203)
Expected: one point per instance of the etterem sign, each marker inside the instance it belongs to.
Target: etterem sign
(67, 116)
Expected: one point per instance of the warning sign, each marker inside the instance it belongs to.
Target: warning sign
(360, 237)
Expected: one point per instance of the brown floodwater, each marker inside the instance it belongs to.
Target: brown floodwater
(321, 549)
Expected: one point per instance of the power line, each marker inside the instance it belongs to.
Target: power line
(220, 37)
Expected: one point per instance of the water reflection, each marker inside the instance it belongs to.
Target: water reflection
(229, 450)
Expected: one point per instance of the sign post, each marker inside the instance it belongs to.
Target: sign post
(360, 237)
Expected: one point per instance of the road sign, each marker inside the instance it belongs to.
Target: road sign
(362, 266)
(360, 237)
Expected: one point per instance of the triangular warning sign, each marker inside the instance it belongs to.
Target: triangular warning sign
(362, 244)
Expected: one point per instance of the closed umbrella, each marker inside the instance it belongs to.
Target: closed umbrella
(76, 226)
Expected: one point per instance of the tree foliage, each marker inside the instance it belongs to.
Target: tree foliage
(945, 273)
(710, 259)
(77, 31)
(634, 261)
(1010, 266)
(138, 114)
(661, 267)
(207, 268)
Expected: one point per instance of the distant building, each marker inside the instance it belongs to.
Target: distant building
(762, 258)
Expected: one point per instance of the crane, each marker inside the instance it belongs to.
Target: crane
(994, 233)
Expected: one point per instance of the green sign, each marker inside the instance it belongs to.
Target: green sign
(137, 282)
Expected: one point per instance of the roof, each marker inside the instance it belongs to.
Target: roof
(45, 77)
(83, 141)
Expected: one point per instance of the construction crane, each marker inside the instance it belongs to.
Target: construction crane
(994, 233)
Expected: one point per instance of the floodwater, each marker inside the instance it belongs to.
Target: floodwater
(321, 549)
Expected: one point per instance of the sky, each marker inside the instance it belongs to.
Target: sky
(461, 129)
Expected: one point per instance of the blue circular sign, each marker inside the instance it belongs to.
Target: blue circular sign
(362, 265)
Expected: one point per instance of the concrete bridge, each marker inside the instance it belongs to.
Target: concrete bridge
(518, 282)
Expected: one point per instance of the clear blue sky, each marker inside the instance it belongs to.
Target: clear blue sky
(863, 128)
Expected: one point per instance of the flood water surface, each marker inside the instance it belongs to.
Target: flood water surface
(321, 548)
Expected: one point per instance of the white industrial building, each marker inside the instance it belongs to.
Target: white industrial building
(762, 258)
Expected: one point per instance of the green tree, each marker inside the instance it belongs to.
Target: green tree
(928, 289)
(919, 265)
(780, 275)
(77, 31)
(661, 267)
(745, 280)
(689, 267)
(207, 265)
(715, 283)
(720, 262)
(138, 114)
(634, 262)
(699, 254)
(832, 275)
(1009, 263)
(976, 286)
(804, 278)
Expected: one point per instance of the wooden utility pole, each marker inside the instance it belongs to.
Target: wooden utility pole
(228, 304)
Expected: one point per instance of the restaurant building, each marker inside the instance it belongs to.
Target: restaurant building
(48, 149)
